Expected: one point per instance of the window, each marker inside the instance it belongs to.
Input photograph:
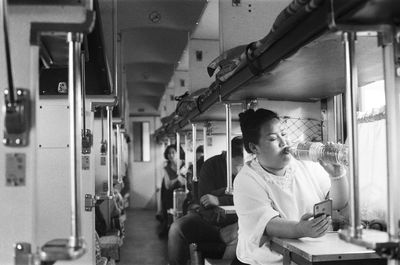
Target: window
(141, 141)
(372, 152)
(372, 96)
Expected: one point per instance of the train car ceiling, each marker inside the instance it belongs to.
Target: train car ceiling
(153, 35)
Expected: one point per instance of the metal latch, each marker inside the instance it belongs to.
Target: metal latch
(103, 147)
(87, 142)
(23, 254)
(17, 119)
(91, 201)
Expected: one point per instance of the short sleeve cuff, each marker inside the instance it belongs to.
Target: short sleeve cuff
(258, 236)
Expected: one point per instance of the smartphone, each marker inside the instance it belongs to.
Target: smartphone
(324, 207)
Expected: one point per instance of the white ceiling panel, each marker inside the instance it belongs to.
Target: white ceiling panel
(153, 34)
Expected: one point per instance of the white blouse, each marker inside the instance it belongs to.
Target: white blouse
(259, 196)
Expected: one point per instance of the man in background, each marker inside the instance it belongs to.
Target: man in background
(203, 225)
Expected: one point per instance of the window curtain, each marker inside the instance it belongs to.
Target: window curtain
(373, 168)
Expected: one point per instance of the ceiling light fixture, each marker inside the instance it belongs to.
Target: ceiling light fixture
(155, 17)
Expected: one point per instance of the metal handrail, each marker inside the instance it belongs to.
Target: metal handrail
(194, 146)
(11, 89)
(229, 184)
(351, 101)
(74, 247)
(110, 189)
(83, 89)
(119, 152)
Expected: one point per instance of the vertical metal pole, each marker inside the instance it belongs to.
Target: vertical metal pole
(244, 108)
(186, 157)
(90, 4)
(229, 186)
(352, 131)
(392, 94)
(110, 190)
(220, 29)
(178, 151)
(338, 118)
(115, 44)
(195, 180)
(102, 124)
(119, 150)
(205, 141)
(11, 89)
(83, 59)
(75, 104)
(194, 143)
(122, 141)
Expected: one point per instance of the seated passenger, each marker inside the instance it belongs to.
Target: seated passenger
(275, 194)
(171, 181)
(203, 226)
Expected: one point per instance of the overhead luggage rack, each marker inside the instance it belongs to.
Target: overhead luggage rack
(281, 56)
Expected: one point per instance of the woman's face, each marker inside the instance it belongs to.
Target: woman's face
(270, 150)
(171, 154)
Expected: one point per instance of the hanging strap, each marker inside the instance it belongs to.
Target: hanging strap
(253, 64)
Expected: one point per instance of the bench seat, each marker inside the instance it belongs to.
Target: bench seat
(109, 246)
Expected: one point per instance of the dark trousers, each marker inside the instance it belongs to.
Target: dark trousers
(238, 262)
(188, 229)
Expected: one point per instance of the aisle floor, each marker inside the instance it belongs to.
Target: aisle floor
(142, 245)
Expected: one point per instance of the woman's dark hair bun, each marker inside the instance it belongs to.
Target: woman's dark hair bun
(244, 116)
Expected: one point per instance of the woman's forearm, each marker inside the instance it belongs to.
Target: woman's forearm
(278, 227)
(339, 192)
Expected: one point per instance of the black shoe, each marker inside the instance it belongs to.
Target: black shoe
(159, 217)
(163, 233)
(163, 230)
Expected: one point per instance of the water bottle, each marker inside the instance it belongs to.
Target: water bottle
(179, 196)
(314, 151)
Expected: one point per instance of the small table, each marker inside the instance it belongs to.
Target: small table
(229, 209)
(327, 250)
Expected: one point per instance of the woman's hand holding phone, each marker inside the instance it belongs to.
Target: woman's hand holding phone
(313, 227)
